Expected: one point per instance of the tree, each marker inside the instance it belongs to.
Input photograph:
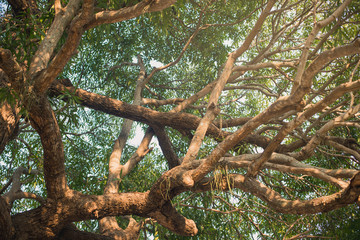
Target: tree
(255, 106)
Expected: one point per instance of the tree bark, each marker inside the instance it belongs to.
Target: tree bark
(6, 226)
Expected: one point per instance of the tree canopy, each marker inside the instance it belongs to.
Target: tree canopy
(246, 115)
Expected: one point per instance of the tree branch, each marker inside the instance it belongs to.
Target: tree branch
(166, 147)
(6, 226)
(244, 160)
(42, 119)
(70, 232)
(46, 48)
(337, 200)
(168, 217)
(108, 224)
(15, 191)
(299, 79)
(286, 129)
(118, 108)
(46, 77)
(12, 69)
(212, 110)
(112, 16)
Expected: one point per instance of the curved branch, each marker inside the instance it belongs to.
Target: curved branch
(299, 168)
(345, 149)
(139, 154)
(245, 160)
(345, 197)
(113, 230)
(321, 60)
(15, 190)
(168, 217)
(112, 16)
(337, 200)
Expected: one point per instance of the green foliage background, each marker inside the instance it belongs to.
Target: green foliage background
(159, 38)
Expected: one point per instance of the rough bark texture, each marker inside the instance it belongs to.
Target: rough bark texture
(6, 227)
(9, 119)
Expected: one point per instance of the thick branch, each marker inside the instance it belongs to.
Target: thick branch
(53, 216)
(137, 113)
(168, 217)
(43, 120)
(6, 227)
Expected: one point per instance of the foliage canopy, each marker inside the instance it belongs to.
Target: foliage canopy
(245, 116)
